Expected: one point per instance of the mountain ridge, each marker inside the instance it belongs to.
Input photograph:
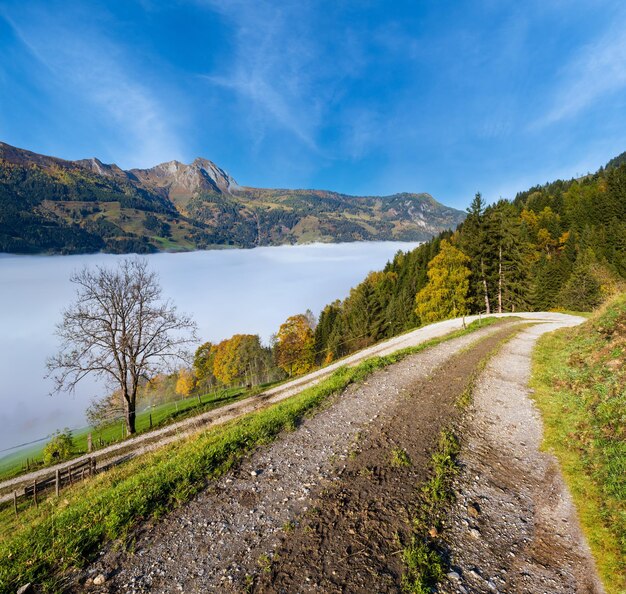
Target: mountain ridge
(61, 206)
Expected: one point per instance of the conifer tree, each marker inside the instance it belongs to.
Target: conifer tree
(474, 243)
(581, 291)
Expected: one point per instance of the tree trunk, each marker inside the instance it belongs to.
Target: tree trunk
(484, 279)
(130, 421)
(500, 280)
(129, 405)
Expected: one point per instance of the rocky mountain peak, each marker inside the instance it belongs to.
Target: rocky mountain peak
(181, 181)
(96, 166)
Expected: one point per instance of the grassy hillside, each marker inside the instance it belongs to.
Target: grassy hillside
(70, 210)
(579, 377)
(154, 417)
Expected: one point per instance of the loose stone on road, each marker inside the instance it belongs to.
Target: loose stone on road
(230, 531)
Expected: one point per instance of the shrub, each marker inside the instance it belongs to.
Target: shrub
(59, 447)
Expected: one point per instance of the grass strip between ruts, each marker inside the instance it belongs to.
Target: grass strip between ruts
(423, 559)
(41, 544)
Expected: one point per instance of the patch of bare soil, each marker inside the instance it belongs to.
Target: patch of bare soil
(513, 527)
(225, 539)
(351, 539)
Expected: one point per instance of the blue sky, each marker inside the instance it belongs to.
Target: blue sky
(360, 97)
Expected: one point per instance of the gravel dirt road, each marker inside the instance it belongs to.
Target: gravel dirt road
(325, 508)
(226, 537)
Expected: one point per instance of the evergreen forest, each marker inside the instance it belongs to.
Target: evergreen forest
(561, 245)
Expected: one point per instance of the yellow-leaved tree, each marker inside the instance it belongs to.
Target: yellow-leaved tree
(445, 295)
(239, 359)
(295, 345)
(185, 382)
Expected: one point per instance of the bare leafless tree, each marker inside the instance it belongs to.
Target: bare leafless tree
(120, 329)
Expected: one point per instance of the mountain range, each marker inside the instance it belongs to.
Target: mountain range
(50, 205)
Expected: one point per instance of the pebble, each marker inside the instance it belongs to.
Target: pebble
(473, 510)
(503, 468)
(99, 579)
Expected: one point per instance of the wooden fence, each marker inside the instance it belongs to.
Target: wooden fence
(61, 478)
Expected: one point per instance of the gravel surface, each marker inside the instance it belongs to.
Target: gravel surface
(513, 527)
(352, 539)
(230, 531)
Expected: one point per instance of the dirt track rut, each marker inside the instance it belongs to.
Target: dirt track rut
(514, 527)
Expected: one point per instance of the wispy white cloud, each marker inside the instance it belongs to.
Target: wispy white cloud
(596, 71)
(268, 69)
(286, 74)
(95, 69)
(261, 92)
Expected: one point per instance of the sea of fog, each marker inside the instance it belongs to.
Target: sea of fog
(225, 291)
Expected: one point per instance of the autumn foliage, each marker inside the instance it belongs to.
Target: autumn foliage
(445, 295)
(238, 359)
(185, 382)
(295, 346)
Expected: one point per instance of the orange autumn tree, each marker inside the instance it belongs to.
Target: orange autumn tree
(295, 345)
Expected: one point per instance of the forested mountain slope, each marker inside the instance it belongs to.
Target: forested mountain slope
(561, 245)
(51, 205)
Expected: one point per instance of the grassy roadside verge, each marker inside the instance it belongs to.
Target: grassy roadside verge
(579, 378)
(160, 415)
(43, 543)
(424, 561)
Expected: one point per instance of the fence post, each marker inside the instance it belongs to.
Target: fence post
(15, 502)
(57, 482)
(35, 493)
(92, 466)
(150, 420)
(89, 443)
